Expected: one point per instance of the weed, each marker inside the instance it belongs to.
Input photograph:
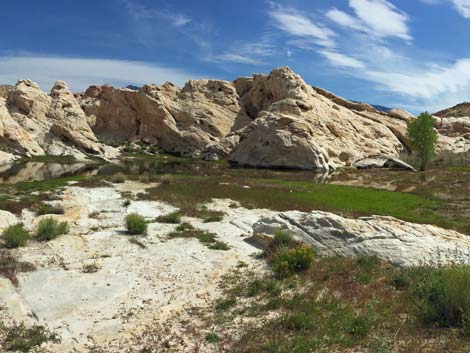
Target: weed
(171, 218)
(45, 209)
(136, 224)
(118, 178)
(212, 338)
(91, 268)
(49, 229)
(225, 304)
(287, 261)
(19, 338)
(15, 236)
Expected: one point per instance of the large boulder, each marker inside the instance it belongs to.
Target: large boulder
(297, 126)
(393, 240)
(35, 123)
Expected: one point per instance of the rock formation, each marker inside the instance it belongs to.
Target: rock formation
(274, 120)
(393, 240)
(35, 123)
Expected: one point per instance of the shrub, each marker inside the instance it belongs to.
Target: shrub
(118, 178)
(49, 228)
(283, 238)
(443, 295)
(136, 224)
(19, 338)
(289, 261)
(212, 338)
(172, 218)
(15, 236)
(185, 226)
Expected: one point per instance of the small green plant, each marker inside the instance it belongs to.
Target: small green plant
(283, 238)
(49, 228)
(44, 209)
(19, 338)
(423, 138)
(225, 304)
(287, 261)
(212, 338)
(136, 224)
(185, 226)
(118, 178)
(126, 203)
(443, 295)
(15, 236)
(171, 218)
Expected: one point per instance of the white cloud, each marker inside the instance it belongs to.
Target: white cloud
(378, 17)
(297, 24)
(343, 19)
(462, 6)
(245, 53)
(80, 73)
(236, 58)
(341, 60)
(141, 13)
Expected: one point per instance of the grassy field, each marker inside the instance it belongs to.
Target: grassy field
(283, 195)
(338, 305)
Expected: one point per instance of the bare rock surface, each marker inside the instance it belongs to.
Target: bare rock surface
(133, 285)
(393, 240)
(382, 162)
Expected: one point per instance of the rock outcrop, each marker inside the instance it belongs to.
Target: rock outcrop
(274, 120)
(182, 121)
(35, 123)
(393, 240)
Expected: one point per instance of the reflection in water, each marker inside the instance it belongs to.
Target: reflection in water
(34, 171)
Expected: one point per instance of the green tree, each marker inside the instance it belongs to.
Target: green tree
(423, 138)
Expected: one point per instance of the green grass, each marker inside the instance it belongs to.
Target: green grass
(326, 309)
(443, 295)
(171, 218)
(15, 236)
(136, 224)
(284, 195)
(49, 229)
(185, 230)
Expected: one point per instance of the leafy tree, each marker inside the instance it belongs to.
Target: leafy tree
(423, 138)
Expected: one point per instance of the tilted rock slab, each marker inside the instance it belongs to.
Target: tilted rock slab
(399, 242)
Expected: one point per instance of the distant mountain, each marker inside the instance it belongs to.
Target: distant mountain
(380, 108)
(134, 88)
(460, 110)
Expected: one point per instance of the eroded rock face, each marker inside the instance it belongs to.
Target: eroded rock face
(393, 240)
(302, 127)
(35, 123)
(177, 120)
(274, 120)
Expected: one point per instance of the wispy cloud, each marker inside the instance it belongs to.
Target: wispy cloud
(341, 60)
(378, 18)
(246, 53)
(140, 12)
(298, 24)
(462, 6)
(79, 73)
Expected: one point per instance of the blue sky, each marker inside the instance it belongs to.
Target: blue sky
(402, 53)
